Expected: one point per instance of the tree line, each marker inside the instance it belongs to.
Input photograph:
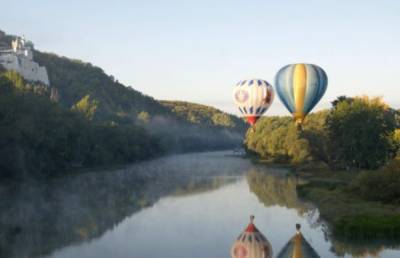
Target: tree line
(355, 133)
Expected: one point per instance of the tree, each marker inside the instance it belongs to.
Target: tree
(15, 78)
(143, 117)
(278, 140)
(222, 119)
(396, 139)
(86, 106)
(315, 132)
(341, 99)
(360, 131)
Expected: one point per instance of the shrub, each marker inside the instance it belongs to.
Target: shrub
(381, 185)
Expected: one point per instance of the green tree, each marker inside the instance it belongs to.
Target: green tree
(15, 78)
(278, 140)
(360, 130)
(143, 117)
(222, 119)
(86, 106)
(396, 139)
(315, 132)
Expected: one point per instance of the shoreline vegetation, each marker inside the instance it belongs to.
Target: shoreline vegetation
(349, 214)
(351, 217)
(348, 161)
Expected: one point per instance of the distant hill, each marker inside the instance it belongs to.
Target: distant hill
(204, 115)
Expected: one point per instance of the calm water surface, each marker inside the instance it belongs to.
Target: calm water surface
(183, 206)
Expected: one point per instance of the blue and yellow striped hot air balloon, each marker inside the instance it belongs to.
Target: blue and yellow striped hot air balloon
(300, 87)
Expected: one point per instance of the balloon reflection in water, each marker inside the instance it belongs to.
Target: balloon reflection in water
(298, 247)
(277, 189)
(251, 244)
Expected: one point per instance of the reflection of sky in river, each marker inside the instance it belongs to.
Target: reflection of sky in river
(200, 225)
(199, 219)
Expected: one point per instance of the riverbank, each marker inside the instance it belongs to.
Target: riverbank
(349, 214)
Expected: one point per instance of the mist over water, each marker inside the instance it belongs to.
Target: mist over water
(191, 205)
(181, 137)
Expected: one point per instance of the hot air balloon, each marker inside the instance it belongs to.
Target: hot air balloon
(251, 244)
(298, 247)
(253, 97)
(300, 87)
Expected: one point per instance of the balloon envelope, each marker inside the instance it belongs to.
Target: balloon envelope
(251, 244)
(298, 247)
(253, 98)
(300, 87)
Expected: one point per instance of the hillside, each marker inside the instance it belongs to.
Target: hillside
(41, 139)
(88, 118)
(75, 79)
(180, 126)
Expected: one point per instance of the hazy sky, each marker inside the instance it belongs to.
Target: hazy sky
(197, 50)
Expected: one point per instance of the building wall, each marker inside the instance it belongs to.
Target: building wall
(24, 65)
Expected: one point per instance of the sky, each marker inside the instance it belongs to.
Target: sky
(197, 50)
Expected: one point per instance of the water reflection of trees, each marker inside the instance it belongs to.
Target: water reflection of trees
(279, 189)
(362, 248)
(273, 189)
(201, 185)
(38, 218)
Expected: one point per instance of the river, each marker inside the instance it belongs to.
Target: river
(181, 206)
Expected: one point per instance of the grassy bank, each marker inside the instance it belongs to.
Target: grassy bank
(349, 214)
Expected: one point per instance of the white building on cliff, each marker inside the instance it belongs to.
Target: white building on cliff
(20, 59)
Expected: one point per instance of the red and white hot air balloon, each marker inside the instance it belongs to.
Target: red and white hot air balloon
(251, 244)
(253, 98)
